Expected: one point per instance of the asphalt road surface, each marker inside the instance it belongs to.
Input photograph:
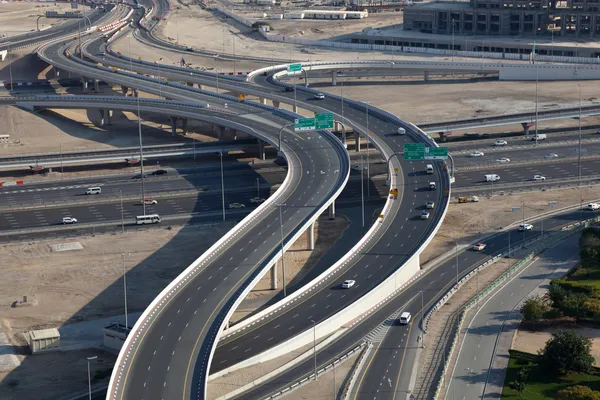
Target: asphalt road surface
(479, 345)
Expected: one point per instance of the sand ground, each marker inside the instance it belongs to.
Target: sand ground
(16, 18)
(532, 341)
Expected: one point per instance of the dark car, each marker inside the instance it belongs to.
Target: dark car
(160, 172)
(289, 89)
(139, 176)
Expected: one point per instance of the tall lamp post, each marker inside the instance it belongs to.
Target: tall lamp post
(222, 185)
(368, 142)
(422, 326)
(315, 345)
(125, 288)
(90, 376)
(537, 76)
(141, 153)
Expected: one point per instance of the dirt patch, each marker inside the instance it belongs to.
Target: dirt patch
(530, 341)
(493, 214)
(17, 18)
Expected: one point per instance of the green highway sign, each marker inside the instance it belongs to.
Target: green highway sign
(304, 124)
(414, 151)
(294, 68)
(324, 121)
(436, 153)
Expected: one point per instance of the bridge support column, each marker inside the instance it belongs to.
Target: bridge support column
(357, 138)
(332, 210)
(173, 126)
(263, 100)
(136, 93)
(274, 277)
(275, 104)
(124, 89)
(426, 76)
(261, 150)
(218, 129)
(96, 85)
(191, 84)
(295, 109)
(526, 127)
(184, 122)
(333, 78)
(201, 87)
(311, 236)
(105, 114)
(84, 83)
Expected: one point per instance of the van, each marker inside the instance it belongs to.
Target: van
(93, 190)
(401, 131)
(593, 206)
(539, 136)
(147, 219)
(492, 178)
(432, 186)
(429, 169)
(405, 318)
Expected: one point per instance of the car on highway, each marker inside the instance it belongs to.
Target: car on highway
(149, 201)
(69, 220)
(551, 155)
(425, 215)
(289, 88)
(319, 96)
(237, 205)
(593, 206)
(500, 143)
(256, 200)
(430, 205)
(348, 283)
(503, 160)
(189, 49)
(477, 154)
(139, 176)
(479, 246)
(539, 178)
(359, 167)
(525, 227)
(160, 172)
(405, 318)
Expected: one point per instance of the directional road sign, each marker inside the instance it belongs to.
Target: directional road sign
(304, 124)
(414, 151)
(324, 121)
(294, 68)
(436, 153)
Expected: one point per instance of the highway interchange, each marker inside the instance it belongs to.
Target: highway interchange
(368, 269)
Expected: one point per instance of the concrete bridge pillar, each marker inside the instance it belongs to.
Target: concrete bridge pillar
(84, 83)
(332, 210)
(426, 76)
(105, 114)
(357, 138)
(295, 109)
(136, 93)
(262, 100)
(261, 150)
(311, 236)
(191, 84)
(218, 129)
(201, 87)
(275, 104)
(96, 85)
(124, 89)
(184, 122)
(173, 126)
(333, 78)
(526, 127)
(274, 277)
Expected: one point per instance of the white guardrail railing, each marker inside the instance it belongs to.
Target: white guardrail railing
(145, 320)
(542, 244)
(396, 282)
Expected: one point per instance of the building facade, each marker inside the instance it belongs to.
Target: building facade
(575, 18)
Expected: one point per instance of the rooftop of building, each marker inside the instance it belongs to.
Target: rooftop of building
(446, 5)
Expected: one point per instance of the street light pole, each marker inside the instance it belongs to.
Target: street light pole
(125, 289)
(141, 153)
(281, 130)
(61, 163)
(10, 68)
(579, 151)
(368, 164)
(282, 251)
(222, 185)
(422, 326)
(456, 246)
(537, 69)
(315, 345)
(362, 188)
(453, 40)
(122, 212)
(90, 376)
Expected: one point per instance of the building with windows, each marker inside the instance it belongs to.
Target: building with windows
(574, 18)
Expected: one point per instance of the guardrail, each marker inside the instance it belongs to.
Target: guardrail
(542, 245)
(475, 167)
(531, 185)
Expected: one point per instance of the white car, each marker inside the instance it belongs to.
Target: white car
(539, 178)
(237, 205)
(319, 96)
(256, 200)
(525, 227)
(477, 154)
(479, 246)
(430, 205)
(348, 283)
(69, 220)
(149, 201)
(503, 160)
(551, 155)
(425, 215)
(500, 143)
